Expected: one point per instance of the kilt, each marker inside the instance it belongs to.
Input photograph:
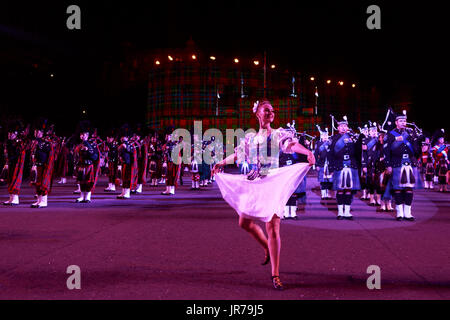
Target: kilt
(43, 181)
(44, 175)
(62, 164)
(142, 170)
(442, 170)
(406, 177)
(205, 171)
(346, 179)
(195, 176)
(112, 171)
(15, 174)
(155, 169)
(300, 192)
(86, 177)
(129, 176)
(321, 177)
(173, 173)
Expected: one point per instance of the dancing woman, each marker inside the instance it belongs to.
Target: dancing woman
(263, 193)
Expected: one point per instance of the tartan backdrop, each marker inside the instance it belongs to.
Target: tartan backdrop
(181, 92)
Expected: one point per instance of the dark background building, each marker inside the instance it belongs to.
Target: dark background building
(103, 70)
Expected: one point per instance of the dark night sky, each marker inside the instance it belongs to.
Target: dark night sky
(317, 36)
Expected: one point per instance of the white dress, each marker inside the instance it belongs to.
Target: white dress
(261, 198)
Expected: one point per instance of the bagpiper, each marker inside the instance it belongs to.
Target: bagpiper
(128, 163)
(112, 160)
(344, 162)
(141, 142)
(42, 159)
(87, 168)
(401, 150)
(440, 155)
(15, 150)
(173, 168)
(322, 164)
(155, 157)
(363, 139)
(372, 166)
(427, 164)
(205, 168)
(62, 164)
(287, 159)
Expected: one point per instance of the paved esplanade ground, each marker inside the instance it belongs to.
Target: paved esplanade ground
(189, 246)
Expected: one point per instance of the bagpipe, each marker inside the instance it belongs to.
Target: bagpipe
(413, 130)
(301, 136)
(353, 135)
(411, 127)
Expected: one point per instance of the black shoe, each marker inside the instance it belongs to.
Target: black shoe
(409, 219)
(399, 218)
(340, 217)
(295, 218)
(86, 201)
(276, 282)
(348, 218)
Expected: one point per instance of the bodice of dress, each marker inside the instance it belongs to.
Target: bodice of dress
(257, 148)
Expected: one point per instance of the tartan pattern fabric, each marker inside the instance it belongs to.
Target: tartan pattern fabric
(173, 173)
(15, 174)
(86, 177)
(130, 173)
(112, 171)
(142, 163)
(44, 174)
(62, 164)
(181, 92)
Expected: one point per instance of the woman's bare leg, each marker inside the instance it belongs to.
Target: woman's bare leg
(255, 230)
(273, 232)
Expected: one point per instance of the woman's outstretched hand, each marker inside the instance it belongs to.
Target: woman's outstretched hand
(216, 168)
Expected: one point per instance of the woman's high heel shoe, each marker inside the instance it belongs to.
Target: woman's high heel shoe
(277, 283)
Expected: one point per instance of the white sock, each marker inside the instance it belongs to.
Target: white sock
(347, 211)
(43, 202)
(399, 208)
(340, 209)
(286, 211)
(293, 210)
(407, 211)
(81, 198)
